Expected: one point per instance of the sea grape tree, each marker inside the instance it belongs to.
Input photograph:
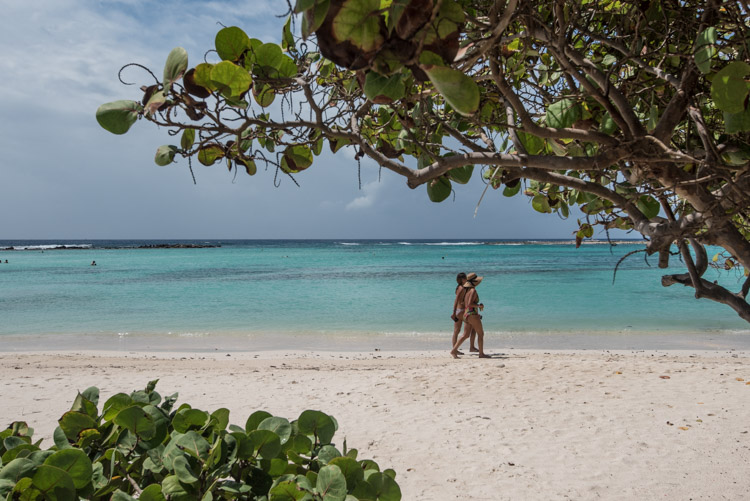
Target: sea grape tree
(142, 446)
(635, 112)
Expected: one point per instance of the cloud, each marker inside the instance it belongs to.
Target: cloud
(370, 192)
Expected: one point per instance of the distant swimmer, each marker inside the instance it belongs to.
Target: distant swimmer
(93, 263)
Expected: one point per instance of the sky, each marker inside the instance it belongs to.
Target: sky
(64, 177)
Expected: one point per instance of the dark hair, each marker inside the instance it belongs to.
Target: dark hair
(461, 275)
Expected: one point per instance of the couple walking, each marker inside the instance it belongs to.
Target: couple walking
(466, 308)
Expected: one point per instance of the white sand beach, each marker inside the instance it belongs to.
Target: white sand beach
(523, 425)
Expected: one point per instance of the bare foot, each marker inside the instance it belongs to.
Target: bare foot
(460, 352)
(482, 355)
(473, 350)
(454, 354)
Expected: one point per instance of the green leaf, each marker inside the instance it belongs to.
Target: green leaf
(187, 419)
(137, 421)
(439, 189)
(187, 139)
(296, 158)
(287, 38)
(729, 88)
(202, 76)
(331, 484)
(230, 79)
(269, 55)
(72, 423)
(563, 113)
(165, 154)
(221, 417)
(115, 404)
(385, 488)
(194, 444)
(313, 18)
(175, 67)
(174, 490)
(117, 117)
(737, 122)
(512, 189)
(118, 495)
(381, 89)
(183, 471)
(152, 493)
(75, 462)
(318, 424)
(264, 95)
(351, 470)
(461, 175)
(279, 426)
(266, 443)
(61, 441)
(460, 91)
(231, 43)
(540, 203)
(255, 419)
(54, 483)
(17, 469)
(533, 144)
(288, 490)
(648, 205)
(358, 22)
(705, 49)
(210, 154)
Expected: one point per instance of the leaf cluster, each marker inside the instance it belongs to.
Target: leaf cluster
(140, 446)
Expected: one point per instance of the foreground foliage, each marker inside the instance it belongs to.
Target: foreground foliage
(636, 113)
(138, 446)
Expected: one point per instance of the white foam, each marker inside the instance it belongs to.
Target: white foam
(50, 246)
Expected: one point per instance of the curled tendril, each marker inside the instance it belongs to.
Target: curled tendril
(623, 258)
(119, 73)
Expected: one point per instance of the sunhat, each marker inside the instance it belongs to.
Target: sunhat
(472, 280)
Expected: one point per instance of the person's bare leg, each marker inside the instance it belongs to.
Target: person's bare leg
(476, 323)
(472, 341)
(464, 337)
(457, 330)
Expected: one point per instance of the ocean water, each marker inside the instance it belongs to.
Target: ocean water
(339, 294)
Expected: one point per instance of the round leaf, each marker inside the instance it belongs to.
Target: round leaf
(331, 484)
(460, 91)
(265, 443)
(563, 113)
(279, 426)
(381, 89)
(231, 43)
(165, 154)
(187, 139)
(296, 158)
(461, 175)
(318, 424)
(183, 471)
(729, 88)
(313, 18)
(117, 117)
(705, 49)
(175, 67)
(439, 189)
(72, 423)
(210, 154)
(649, 206)
(54, 483)
(230, 79)
(255, 419)
(137, 421)
(357, 23)
(75, 462)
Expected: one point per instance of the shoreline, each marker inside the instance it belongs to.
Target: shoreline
(527, 424)
(355, 341)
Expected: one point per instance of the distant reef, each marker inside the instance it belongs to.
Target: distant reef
(89, 247)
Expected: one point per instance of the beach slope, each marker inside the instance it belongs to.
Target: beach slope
(522, 425)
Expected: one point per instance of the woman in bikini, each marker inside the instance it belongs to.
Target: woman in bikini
(472, 318)
(458, 313)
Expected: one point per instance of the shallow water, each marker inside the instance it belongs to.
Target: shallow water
(329, 294)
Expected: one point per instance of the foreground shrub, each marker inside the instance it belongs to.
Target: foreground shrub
(138, 447)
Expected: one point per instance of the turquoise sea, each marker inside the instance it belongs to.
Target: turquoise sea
(346, 294)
